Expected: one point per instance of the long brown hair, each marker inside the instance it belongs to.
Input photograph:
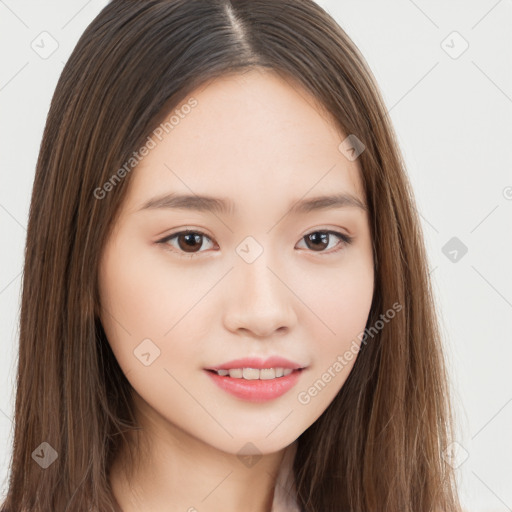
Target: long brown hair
(379, 445)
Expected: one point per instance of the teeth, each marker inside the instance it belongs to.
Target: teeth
(250, 373)
(267, 373)
(255, 374)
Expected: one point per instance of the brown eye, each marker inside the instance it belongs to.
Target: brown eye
(318, 241)
(187, 241)
(190, 242)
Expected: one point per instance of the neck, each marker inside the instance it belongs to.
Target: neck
(179, 472)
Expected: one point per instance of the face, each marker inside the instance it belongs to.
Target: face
(262, 273)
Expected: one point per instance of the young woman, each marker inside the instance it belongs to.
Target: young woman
(226, 301)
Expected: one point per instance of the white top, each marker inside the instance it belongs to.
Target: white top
(285, 494)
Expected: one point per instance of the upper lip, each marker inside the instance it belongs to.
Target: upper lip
(254, 362)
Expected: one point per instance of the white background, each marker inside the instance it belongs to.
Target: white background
(452, 116)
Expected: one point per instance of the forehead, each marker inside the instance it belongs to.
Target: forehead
(248, 136)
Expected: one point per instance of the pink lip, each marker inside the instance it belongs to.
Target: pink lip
(255, 390)
(254, 362)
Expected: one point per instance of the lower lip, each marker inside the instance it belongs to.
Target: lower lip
(256, 390)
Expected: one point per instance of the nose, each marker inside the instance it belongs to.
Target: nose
(259, 301)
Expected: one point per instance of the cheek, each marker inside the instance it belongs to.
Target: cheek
(143, 299)
(339, 299)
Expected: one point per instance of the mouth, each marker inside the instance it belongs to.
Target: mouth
(255, 373)
(255, 384)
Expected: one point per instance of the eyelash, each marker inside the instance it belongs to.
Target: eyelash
(345, 240)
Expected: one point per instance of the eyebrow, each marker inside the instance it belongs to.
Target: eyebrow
(219, 205)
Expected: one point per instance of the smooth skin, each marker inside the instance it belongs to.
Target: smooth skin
(259, 141)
